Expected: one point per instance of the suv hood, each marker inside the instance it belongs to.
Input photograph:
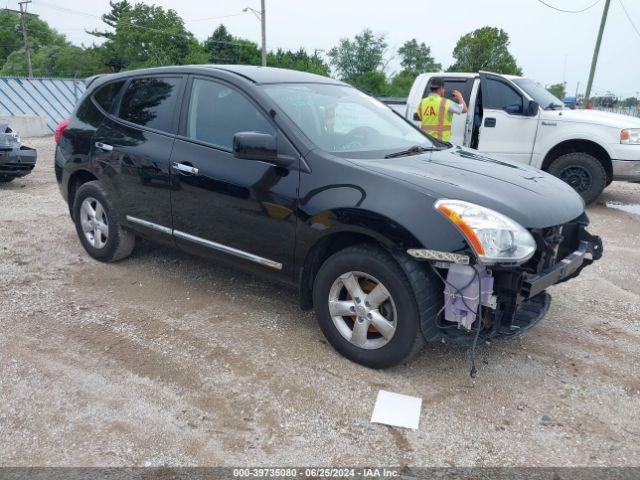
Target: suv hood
(529, 196)
(594, 117)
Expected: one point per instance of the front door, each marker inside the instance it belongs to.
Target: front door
(505, 131)
(133, 147)
(235, 209)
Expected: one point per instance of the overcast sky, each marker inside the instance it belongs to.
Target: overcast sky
(550, 46)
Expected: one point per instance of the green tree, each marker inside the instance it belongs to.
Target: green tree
(361, 61)
(558, 89)
(298, 60)
(55, 61)
(630, 102)
(40, 34)
(484, 49)
(222, 47)
(416, 58)
(144, 35)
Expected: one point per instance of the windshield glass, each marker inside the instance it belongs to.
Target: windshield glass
(540, 94)
(343, 120)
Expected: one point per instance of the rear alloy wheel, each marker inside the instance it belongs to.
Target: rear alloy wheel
(94, 222)
(581, 171)
(97, 224)
(366, 306)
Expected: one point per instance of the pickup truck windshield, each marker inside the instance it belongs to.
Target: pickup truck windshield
(540, 94)
(342, 120)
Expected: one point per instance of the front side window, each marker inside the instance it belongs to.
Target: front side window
(107, 94)
(151, 102)
(500, 96)
(217, 112)
(345, 121)
(541, 95)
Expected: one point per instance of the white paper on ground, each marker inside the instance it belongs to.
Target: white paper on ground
(397, 410)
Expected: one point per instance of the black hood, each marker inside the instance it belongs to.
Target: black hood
(529, 196)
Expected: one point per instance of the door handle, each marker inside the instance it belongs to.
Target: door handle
(104, 146)
(490, 122)
(181, 167)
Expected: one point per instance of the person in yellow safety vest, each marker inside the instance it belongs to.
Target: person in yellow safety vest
(436, 112)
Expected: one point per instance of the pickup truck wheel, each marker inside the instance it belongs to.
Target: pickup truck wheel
(97, 225)
(6, 179)
(366, 307)
(583, 172)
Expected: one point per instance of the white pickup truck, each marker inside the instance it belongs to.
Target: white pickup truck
(518, 119)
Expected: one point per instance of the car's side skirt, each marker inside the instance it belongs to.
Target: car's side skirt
(207, 243)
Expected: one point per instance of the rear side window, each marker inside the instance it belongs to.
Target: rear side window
(500, 96)
(463, 85)
(151, 102)
(218, 112)
(106, 94)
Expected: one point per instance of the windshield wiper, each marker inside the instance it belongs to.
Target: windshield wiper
(553, 106)
(415, 150)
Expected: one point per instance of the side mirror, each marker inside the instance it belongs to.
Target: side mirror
(258, 146)
(532, 109)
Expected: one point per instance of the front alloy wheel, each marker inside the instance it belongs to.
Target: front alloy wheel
(366, 300)
(362, 310)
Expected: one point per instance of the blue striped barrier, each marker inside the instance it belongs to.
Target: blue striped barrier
(51, 98)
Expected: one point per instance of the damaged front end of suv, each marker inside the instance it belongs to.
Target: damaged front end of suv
(498, 289)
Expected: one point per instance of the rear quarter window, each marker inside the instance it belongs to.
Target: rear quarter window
(151, 102)
(105, 95)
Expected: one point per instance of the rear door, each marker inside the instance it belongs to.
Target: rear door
(133, 148)
(224, 207)
(506, 131)
(459, 122)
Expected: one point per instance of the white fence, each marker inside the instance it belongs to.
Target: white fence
(52, 99)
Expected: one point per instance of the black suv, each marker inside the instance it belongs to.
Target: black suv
(393, 237)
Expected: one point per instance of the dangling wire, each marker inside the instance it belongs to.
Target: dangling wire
(458, 291)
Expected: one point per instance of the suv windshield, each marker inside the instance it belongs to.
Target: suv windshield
(342, 120)
(540, 94)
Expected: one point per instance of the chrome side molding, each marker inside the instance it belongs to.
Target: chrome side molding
(151, 225)
(230, 250)
(207, 243)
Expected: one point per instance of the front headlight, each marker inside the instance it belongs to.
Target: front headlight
(494, 237)
(630, 136)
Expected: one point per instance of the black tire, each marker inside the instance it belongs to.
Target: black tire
(6, 179)
(119, 242)
(414, 292)
(583, 172)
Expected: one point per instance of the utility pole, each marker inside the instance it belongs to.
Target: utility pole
(596, 51)
(263, 24)
(262, 16)
(25, 35)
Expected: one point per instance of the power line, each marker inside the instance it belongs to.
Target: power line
(570, 11)
(629, 17)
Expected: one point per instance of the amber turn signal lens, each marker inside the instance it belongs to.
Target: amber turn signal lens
(464, 228)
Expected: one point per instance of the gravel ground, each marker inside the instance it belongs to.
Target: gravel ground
(165, 359)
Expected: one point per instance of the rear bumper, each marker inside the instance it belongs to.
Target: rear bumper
(17, 162)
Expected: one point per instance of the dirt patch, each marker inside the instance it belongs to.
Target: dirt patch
(166, 359)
